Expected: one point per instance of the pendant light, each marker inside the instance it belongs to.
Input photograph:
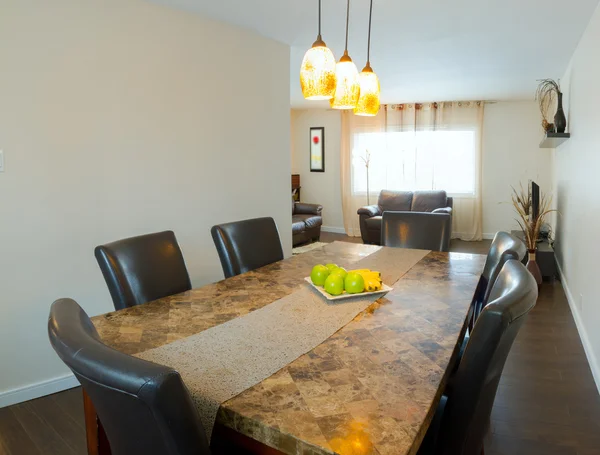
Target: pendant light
(368, 103)
(317, 73)
(347, 88)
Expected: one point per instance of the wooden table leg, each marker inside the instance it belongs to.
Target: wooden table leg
(97, 442)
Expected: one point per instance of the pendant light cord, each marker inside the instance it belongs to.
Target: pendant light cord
(369, 41)
(347, 23)
(319, 19)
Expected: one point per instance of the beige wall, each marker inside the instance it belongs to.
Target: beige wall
(117, 118)
(319, 187)
(578, 190)
(510, 155)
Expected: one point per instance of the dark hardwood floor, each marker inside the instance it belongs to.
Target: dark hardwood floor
(547, 402)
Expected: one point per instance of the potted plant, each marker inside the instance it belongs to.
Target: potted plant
(531, 225)
(547, 91)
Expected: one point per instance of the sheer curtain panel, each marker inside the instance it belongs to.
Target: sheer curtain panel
(430, 146)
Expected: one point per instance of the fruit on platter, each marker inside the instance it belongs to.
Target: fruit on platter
(319, 274)
(336, 280)
(372, 279)
(334, 284)
(354, 283)
(341, 271)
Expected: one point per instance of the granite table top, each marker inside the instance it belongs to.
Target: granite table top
(371, 388)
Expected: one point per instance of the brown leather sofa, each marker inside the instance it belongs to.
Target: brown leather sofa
(306, 222)
(399, 201)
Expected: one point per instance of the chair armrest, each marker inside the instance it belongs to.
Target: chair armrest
(369, 210)
(447, 210)
(308, 209)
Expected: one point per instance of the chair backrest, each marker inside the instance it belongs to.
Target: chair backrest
(141, 269)
(247, 245)
(504, 247)
(144, 407)
(427, 231)
(473, 388)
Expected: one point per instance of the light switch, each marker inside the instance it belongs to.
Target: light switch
(1, 161)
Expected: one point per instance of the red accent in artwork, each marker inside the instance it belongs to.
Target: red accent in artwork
(316, 140)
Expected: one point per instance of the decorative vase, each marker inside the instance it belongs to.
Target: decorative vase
(534, 268)
(560, 121)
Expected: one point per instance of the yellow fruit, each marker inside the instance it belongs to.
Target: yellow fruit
(372, 283)
(359, 271)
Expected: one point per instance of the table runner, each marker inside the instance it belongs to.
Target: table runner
(222, 362)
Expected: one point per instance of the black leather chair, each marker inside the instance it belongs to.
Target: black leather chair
(247, 245)
(141, 269)
(144, 408)
(427, 231)
(504, 247)
(462, 418)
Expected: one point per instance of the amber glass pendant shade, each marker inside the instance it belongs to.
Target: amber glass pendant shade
(317, 73)
(347, 89)
(368, 102)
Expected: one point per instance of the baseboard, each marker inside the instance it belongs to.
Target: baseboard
(587, 347)
(333, 230)
(489, 236)
(40, 389)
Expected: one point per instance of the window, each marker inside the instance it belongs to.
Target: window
(415, 160)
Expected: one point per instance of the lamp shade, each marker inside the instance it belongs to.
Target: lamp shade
(347, 89)
(317, 74)
(368, 102)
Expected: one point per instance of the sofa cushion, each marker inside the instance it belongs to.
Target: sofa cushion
(298, 224)
(310, 221)
(427, 201)
(395, 201)
(373, 222)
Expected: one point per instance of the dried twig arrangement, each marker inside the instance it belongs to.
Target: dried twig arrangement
(367, 161)
(545, 95)
(531, 227)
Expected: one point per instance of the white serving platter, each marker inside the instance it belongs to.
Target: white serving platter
(384, 290)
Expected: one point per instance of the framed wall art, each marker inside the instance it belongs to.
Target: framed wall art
(317, 149)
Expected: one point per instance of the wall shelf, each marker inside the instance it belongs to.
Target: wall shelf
(553, 140)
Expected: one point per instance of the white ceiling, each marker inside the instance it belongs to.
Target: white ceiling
(425, 50)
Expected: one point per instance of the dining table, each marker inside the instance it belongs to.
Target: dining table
(370, 386)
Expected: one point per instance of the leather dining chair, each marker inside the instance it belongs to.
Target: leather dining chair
(144, 407)
(247, 245)
(144, 268)
(462, 418)
(427, 231)
(504, 247)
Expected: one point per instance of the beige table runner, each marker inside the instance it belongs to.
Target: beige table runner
(222, 362)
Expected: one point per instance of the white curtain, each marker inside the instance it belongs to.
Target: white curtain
(431, 146)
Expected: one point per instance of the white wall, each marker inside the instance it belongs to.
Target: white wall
(511, 156)
(578, 189)
(511, 137)
(117, 118)
(319, 187)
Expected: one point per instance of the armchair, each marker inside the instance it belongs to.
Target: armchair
(399, 201)
(307, 220)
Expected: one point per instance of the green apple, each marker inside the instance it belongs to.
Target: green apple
(334, 284)
(319, 274)
(332, 267)
(341, 271)
(354, 283)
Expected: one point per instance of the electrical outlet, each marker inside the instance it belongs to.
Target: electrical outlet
(1, 161)
(580, 302)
